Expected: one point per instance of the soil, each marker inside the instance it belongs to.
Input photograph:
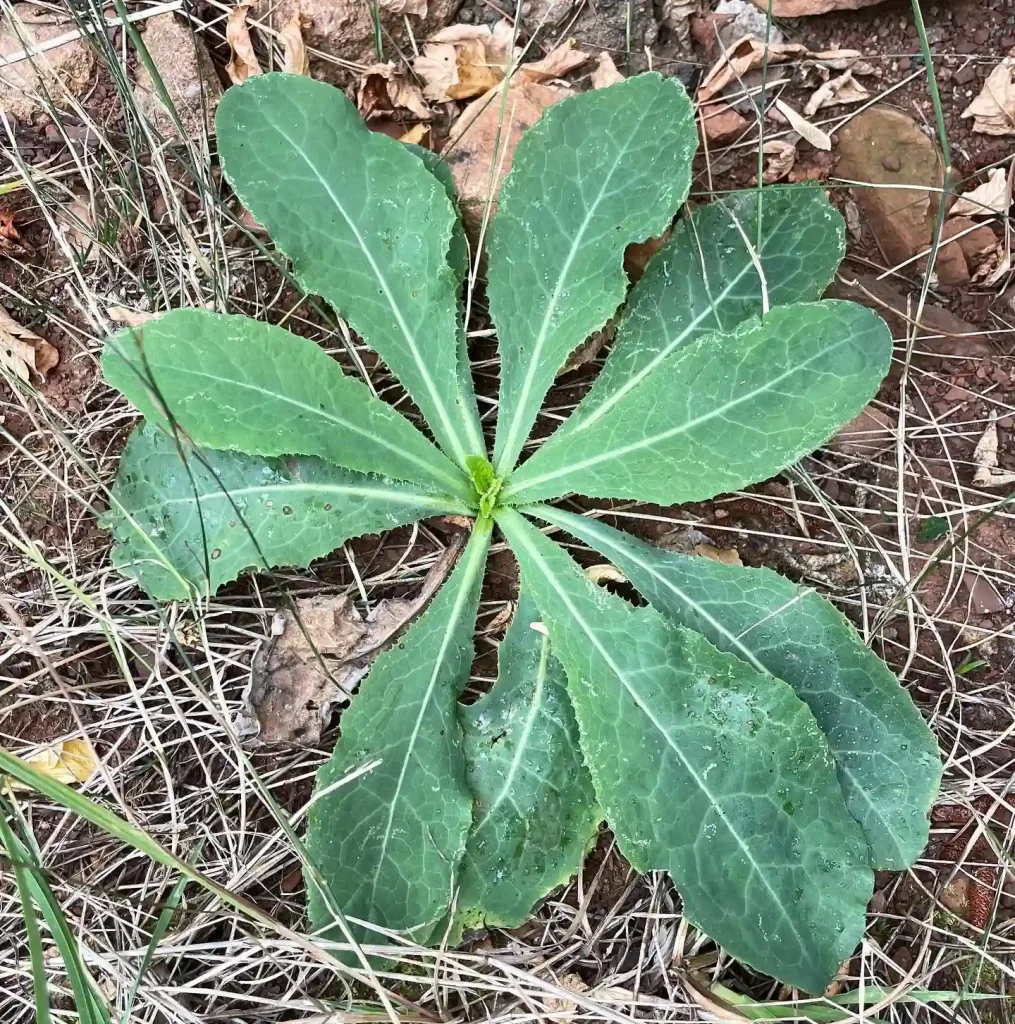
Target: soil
(961, 383)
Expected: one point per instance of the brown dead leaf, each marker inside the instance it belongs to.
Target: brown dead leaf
(728, 556)
(462, 61)
(604, 572)
(993, 111)
(676, 16)
(69, 761)
(417, 8)
(606, 72)
(385, 89)
(22, 351)
(78, 229)
(294, 50)
(483, 141)
(745, 55)
(561, 60)
(985, 459)
(316, 657)
(130, 317)
(841, 90)
(993, 196)
(811, 132)
(781, 158)
(416, 135)
(243, 62)
(7, 227)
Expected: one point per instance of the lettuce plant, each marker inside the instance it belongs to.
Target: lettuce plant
(734, 730)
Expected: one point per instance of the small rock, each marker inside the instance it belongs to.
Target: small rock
(546, 13)
(978, 238)
(68, 67)
(883, 146)
(345, 29)
(186, 71)
(804, 8)
(863, 437)
(950, 266)
(965, 75)
(745, 19)
(722, 124)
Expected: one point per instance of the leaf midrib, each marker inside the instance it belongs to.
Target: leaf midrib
(549, 514)
(512, 445)
(457, 484)
(643, 707)
(410, 337)
(611, 400)
(475, 555)
(665, 435)
(375, 493)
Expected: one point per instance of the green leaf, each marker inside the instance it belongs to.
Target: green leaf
(715, 272)
(596, 172)
(388, 841)
(708, 769)
(534, 809)
(234, 384)
(458, 250)
(722, 411)
(365, 224)
(182, 529)
(888, 760)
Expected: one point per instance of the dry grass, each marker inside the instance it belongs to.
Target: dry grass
(155, 689)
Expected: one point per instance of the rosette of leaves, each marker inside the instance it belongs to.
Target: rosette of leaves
(734, 730)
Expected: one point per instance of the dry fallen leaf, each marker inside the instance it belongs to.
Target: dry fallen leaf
(985, 459)
(483, 141)
(606, 72)
(294, 50)
(243, 62)
(78, 229)
(561, 60)
(605, 573)
(416, 135)
(7, 228)
(993, 111)
(417, 8)
(68, 762)
(315, 660)
(745, 55)
(841, 90)
(811, 132)
(130, 317)
(993, 196)
(676, 15)
(22, 351)
(728, 556)
(384, 89)
(462, 61)
(781, 158)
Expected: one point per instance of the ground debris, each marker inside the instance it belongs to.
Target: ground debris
(22, 351)
(993, 111)
(316, 656)
(985, 458)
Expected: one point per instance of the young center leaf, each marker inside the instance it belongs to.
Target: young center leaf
(366, 226)
(185, 522)
(595, 173)
(534, 809)
(887, 759)
(729, 260)
(387, 843)
(235, 384)
(722, 411)
(708, 769)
